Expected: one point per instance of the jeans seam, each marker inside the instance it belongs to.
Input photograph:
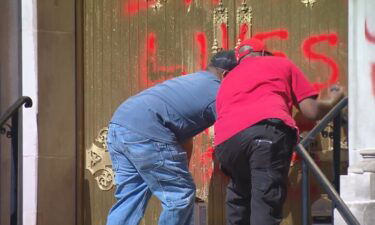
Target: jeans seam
(139, 206)
(164, 196)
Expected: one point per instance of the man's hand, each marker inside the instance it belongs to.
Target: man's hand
(336, 93)
(314, 109)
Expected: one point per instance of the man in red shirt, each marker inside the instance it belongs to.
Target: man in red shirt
(255, 133)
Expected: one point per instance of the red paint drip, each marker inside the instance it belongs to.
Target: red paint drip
(132, 7)
(151, 43)
(201, 39)
(206, 161)
(224, 36)
(307, 49)
(207, 156)
(295, 158)
(369, 36)
(243, 31)
(147, 54)
(188, 2)
(151, 51)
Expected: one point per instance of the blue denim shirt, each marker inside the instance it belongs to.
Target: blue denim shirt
(172, 111)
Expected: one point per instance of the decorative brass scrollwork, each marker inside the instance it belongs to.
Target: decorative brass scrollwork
(6, 130)
(98, 162)
(220, 16)
(215, 46)
(244, 17)
(158, 4)
(309, 2)
(244, 14)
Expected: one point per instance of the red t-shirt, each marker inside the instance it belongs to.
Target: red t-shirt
(259, 88)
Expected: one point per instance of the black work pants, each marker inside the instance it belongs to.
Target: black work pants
(257, 160)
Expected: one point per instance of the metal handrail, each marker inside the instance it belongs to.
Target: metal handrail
(308, 163)
(13, 108)
(327, 186)
(324, 122)
(13, 113)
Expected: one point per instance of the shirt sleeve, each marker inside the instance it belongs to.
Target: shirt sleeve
(210, 113)
(301, 87)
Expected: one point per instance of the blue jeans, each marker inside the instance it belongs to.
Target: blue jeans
(144, 167)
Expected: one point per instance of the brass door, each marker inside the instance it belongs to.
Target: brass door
(130, 45)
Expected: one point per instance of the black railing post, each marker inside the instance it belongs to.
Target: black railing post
(337, 151)
(327, 186)
(305, 194)
(336, 156)
(15, 180)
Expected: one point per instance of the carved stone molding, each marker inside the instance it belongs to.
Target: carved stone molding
(309, 3)
(99, 163)
(367, 164)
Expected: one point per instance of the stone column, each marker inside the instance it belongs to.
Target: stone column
(30, 115)
(358, 187)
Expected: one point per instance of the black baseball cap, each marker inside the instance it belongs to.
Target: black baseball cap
(225, 60)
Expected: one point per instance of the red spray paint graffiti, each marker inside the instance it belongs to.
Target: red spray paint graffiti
(371, 38)
(224, 35)
(148, 63)
(201, 40)
(309, 53)
(206, 160)
(188, 2)
(132, 7)
(243, 31)
(280, 34)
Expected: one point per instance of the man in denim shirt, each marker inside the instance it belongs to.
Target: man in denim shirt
(144, 144)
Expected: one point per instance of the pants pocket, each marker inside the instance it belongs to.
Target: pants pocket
(174, 164)
(262, 154)
(144, 155)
